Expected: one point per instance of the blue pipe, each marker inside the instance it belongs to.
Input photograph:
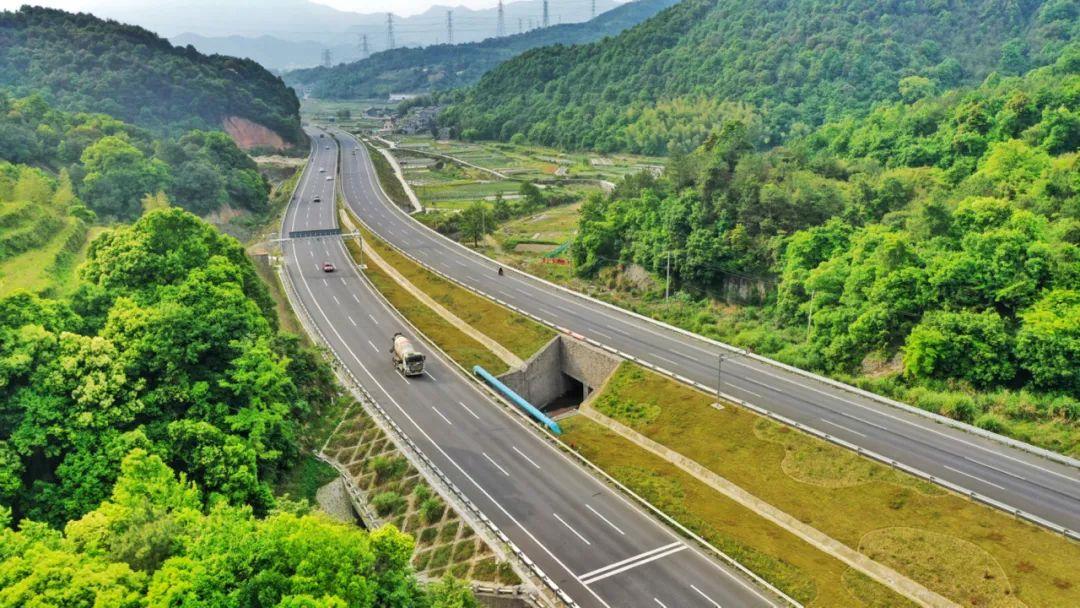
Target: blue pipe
(517, 399)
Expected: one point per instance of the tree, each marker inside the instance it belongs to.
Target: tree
(974, 347)
(1048, 342)
(475, 222)
(118, 176)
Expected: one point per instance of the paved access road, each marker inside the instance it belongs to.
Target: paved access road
(1012, 476)
(598, 547)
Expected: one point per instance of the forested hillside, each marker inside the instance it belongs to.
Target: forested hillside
(445, 66)
(664, 85)
(82, 63)
(112, 166)
(931, 249)
(143, 423)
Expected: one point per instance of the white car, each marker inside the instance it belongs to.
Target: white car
(322, 169)
(329, 178)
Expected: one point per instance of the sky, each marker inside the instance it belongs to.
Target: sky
(399, 7)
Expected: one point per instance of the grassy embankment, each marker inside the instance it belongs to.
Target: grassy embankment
(445, 544)
(519, 335)
(968, 552)
(41, 247)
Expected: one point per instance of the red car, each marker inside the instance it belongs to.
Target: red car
(328, 267)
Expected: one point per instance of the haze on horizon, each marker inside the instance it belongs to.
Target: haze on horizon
(402, 8)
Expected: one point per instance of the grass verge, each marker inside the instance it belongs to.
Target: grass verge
(792, 565)
(388, 178)
(304, 479)
(520, 335)
(459, 346)
(881, 512)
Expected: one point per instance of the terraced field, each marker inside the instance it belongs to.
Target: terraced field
(40, 246)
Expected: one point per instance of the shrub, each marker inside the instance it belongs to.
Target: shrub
(387, 468)
(431, 510)
(387, 503)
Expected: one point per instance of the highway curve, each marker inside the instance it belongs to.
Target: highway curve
(1016, 478)
(597, 546)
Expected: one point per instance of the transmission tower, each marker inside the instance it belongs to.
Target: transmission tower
(593, 9)
(389, 30)
(500, 27)
(545, 13)
(364, 46)
(450, 27)
(521, 27)
(326, 59)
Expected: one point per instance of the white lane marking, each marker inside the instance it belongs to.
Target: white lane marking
(663, 358)
(951, 438)
(373, 319)
(842, 427)
(629, 559)
(428, 374)
(739, 388)
(662, 605)
(325, 282)
(522, 454)
(351, 320)
(995, 468)
(462, 404)
(601, 334)
(707, 598)
(606, 520)
(495, 463)
(633, 565)
(434, 409)
(973, 477)
(373, 347)
(453, 462)
(571, 528)
(356, 298)
(343, 281)
(547, 312)
(337, 300)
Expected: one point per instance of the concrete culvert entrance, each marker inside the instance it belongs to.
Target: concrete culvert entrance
(561, 375)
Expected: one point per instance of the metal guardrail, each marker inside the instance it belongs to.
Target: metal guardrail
(931, 416)
(976, 496)
(407, 446)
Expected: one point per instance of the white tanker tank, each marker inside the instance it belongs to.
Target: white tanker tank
(407, 360)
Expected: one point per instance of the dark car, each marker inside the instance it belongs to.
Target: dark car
(317, 199)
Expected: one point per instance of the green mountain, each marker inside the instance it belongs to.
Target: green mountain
(445, 66)
(930, 250)
(82, 63)
(666, 83)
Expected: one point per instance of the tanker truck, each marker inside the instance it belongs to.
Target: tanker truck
(407, 359)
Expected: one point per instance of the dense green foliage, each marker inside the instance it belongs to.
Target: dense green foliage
(667, 83)
(939, 239)
(169, 345)
(113, 166)
(445, 66)
(82, 63)
(153, 544)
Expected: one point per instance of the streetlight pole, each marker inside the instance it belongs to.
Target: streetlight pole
(719, 374)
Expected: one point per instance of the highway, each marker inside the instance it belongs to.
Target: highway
(1012, 476)
(597, 546)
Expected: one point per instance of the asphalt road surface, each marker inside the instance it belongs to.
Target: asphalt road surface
(1015, 477)
(597, 546)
